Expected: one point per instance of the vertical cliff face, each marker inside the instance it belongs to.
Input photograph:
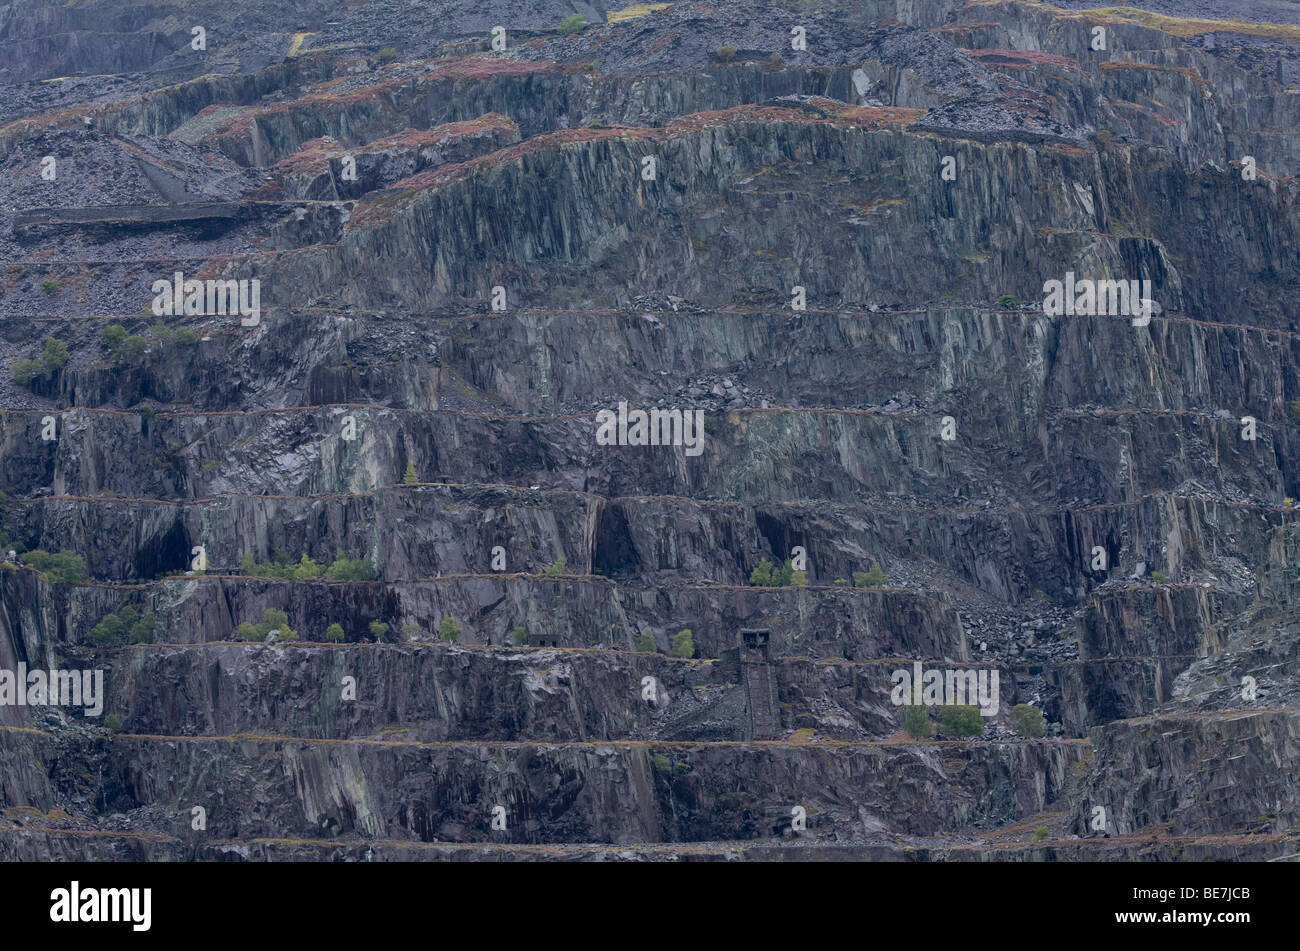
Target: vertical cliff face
(981, 314)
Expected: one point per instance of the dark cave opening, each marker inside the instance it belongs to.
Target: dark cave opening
(614, 556)
(161, 554)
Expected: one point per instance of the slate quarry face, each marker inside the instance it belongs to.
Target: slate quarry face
(366, 576)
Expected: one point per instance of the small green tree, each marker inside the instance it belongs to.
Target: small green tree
(55, 354)
(378, 629)
(24, 371)
(1040, 833)
(272, 620)
(276, 619)
(349, 569)
(160, 334)
(449, 630)
(871, 579)
(113, 336)
(645, 642)
(961, 720)
(762, 575)
(111, 723)
(519, 635)
(1007, 300)
(573, 23)
(726, 54)
(131, 349)
(556, 567)
(62, 567)
(800, 579)
(50, 286)
(306, 569)
(1027, 720)
(785, 575)
(142, 631)
(388, 54)
(408, 476)
(916, 721)
(683, 644)
(334, 633)
(109, 630)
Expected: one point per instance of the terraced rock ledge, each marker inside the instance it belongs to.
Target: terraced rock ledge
(364, 584)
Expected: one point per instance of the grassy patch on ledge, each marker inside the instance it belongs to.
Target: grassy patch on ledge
(1190, 26)
(634, 10)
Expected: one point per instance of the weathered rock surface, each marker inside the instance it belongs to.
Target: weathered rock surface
(465, 252)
